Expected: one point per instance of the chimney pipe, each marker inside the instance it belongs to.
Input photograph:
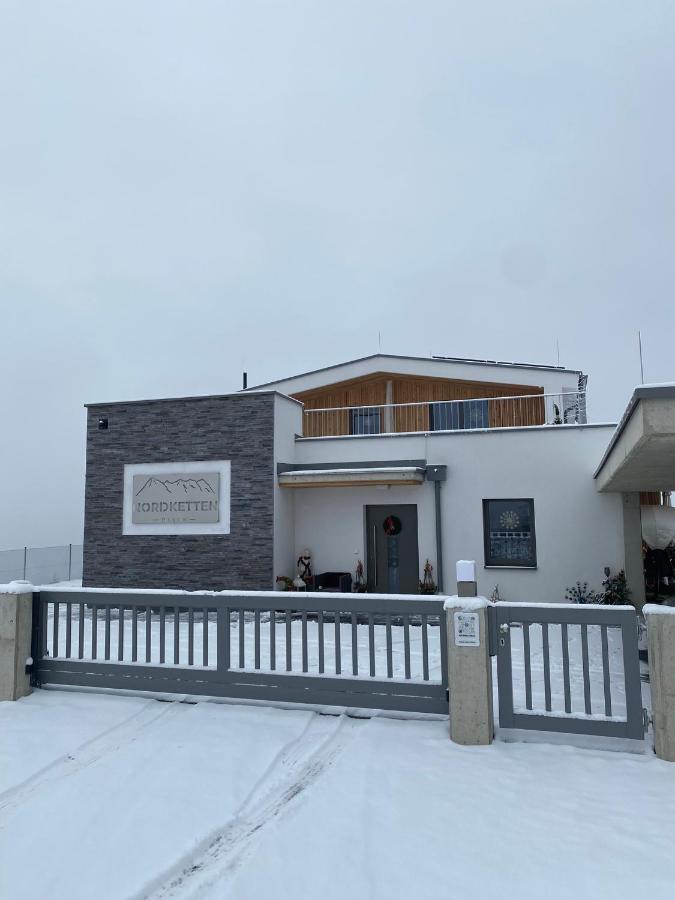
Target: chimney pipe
(244, 380)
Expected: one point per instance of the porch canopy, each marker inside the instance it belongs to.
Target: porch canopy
(641, 453)
(407, 472)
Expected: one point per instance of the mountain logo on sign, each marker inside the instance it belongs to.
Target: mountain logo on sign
(189, 487)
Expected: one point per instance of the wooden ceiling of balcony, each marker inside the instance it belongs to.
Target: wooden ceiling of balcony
(371, 390)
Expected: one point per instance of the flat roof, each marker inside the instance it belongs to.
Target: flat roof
(458, 359)
(460, 432)
(643, 392)
(231, 394)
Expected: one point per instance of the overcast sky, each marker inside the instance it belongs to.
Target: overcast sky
(189, 189)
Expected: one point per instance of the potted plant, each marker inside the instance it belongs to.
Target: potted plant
(360, 586)
(427, 584)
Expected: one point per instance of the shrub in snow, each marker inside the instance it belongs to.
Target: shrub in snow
(581, 593)
(616, 590)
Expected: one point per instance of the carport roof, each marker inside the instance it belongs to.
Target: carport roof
(641, 454)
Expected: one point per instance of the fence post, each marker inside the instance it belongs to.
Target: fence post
(469, 664)
(16, 618)
(661, 637)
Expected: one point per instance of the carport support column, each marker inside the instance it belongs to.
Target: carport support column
(469, 664)
(661, 635)
(16, 617)
(632, 548)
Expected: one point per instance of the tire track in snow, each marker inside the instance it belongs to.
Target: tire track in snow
(291, 773)
(85, 754)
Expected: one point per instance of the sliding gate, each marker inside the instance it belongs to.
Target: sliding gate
(568, 668)
(354, 650)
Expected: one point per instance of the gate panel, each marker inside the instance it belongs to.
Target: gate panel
(353, 650)
(576, 669)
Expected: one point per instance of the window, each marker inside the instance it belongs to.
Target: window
(456, 416)
(508, 528)
(365, 420)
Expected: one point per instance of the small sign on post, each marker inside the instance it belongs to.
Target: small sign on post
(467, 629)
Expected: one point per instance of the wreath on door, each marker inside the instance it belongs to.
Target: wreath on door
(392, 525)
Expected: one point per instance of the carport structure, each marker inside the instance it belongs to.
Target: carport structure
(640, 457)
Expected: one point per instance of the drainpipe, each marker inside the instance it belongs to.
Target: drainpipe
(438, 474)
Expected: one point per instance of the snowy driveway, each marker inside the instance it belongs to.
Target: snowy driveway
(118, 797)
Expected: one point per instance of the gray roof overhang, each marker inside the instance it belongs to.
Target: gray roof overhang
(641, 453)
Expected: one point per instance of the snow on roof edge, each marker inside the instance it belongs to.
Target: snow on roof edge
(230, 394)
(439, 359)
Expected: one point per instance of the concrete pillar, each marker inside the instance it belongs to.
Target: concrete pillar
(469, 664)
(632, 548)
(16, 615)
(388, 411)
(661, 637)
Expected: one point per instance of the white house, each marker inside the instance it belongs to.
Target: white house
(388, 460)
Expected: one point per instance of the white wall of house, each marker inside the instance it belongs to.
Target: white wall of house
(553, 380)
(578, 530)
(287, 423)
(331, 522)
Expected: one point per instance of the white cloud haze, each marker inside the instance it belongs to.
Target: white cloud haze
(189, 189)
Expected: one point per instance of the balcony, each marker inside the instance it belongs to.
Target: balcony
(475, 414)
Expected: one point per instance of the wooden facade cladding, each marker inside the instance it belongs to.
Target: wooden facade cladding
(654, 498)
(389, 392)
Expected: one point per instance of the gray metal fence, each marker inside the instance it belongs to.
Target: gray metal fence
(360, 650)
(568, 668)
(41, 565)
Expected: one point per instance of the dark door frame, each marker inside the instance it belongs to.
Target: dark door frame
(376, 545)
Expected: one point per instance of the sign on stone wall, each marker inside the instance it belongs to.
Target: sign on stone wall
(181, 497)
(175, 498)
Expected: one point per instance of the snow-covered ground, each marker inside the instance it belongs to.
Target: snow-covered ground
(119, 797)
(105, 796)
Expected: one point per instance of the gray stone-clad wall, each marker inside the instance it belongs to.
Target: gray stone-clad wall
(238, 427)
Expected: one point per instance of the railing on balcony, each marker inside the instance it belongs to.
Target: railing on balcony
(447, 415)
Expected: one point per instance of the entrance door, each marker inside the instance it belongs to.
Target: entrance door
(393, 556)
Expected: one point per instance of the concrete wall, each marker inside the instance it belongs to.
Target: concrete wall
(16, 621)
(287, 424)
(553, 380)
(578, 530)
(237, 427)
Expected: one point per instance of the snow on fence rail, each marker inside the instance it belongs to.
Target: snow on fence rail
(334, 649)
